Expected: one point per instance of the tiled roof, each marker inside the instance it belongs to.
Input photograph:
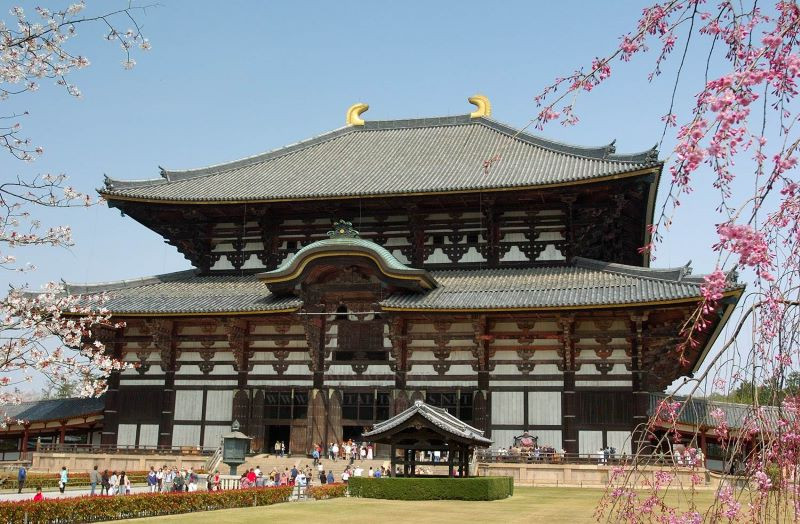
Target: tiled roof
(186, 292)
(334, 246)
(438, 417)
(584, 283)
(54, 409)
(391, 157)
(696, 412)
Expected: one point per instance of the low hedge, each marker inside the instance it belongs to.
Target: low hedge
(418, 488)
(327, 491)
(96, 509)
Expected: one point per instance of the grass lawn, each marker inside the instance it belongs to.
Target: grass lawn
(547, 505)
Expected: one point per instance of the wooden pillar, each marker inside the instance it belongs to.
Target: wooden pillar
(113, 347)
(569, 429)
(393, 461)
(162, 335)
(641, 397)
(451, 450)
(398, 335)
(23, 445)
(62, 433)
(704, 445)
(413, 453)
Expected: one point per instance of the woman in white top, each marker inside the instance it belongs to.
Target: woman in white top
(113, 483)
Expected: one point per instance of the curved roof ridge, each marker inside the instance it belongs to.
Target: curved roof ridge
(604, 152)
(672, 274)
(175, 175)
(113, 285)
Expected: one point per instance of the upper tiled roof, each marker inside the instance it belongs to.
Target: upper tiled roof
(584, 283)
(438, 417)
(390, 157)
(54, 409)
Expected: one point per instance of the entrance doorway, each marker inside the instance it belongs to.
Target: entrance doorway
(276, 432)
(352, 432)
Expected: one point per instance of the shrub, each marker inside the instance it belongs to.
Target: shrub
(416, 488)
(94, 509)
(327, 491)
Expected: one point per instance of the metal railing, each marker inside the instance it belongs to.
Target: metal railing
(550, 457)
(214, 460)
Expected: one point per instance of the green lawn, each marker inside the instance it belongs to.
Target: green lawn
(547, 505)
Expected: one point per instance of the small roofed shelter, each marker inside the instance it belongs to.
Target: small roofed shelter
(426, 428)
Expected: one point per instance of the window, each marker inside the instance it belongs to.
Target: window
(360, 340)
(366, 406)
(459, 406)
(284, 405)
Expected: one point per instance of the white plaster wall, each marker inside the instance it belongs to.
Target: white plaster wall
(544, 407)
(219, 405)
(590, 441)
(508, 407)
(185, 435)
(188, 404)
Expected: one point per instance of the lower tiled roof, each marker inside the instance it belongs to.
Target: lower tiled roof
(697, 412)
(438, 417)
(54, 409)
(583, 283)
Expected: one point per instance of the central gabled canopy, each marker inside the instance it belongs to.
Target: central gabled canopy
(344, 249)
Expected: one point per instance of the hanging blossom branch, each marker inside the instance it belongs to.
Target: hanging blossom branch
(49, 333)
(741, 124)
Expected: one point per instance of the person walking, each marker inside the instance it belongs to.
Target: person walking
(104, 485)
(22, 476)
(62, 483)
(94, 480)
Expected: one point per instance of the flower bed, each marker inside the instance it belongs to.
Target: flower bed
(327, 491)
(418, 488)
(96, 509)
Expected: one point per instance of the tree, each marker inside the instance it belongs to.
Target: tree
(49, 332)
(740, 135)
(62, 389)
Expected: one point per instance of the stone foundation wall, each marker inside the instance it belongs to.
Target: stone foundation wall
(78, 462)
(582, 474)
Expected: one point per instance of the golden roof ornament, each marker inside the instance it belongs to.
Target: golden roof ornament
(482, 105)
(352, 118)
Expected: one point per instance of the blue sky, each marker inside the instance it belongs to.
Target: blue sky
(227, 80)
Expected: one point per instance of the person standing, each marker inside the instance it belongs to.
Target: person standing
(94, 480)
(169, 478)
(124, 484)
(277, 448)
(22, 476)
(62, 483)
(283, 449)
(152, 480)
(38, 497)
(331, 480)
(113, 482)
(160, 479)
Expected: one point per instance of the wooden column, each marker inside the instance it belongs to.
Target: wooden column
(451, 451)
(482, 354)
(108, 337)
(641, 397)
(393, 461)
(569, 429)
(23, 445)
(62, 433)
(162, 335)
(398, 335)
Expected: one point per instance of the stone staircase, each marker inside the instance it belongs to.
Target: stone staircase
(269, 461)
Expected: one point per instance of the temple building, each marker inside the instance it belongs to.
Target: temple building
(453, 260)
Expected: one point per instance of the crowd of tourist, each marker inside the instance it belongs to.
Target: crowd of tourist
(347, 450)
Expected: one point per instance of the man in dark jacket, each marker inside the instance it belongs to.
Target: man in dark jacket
(22, 476)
